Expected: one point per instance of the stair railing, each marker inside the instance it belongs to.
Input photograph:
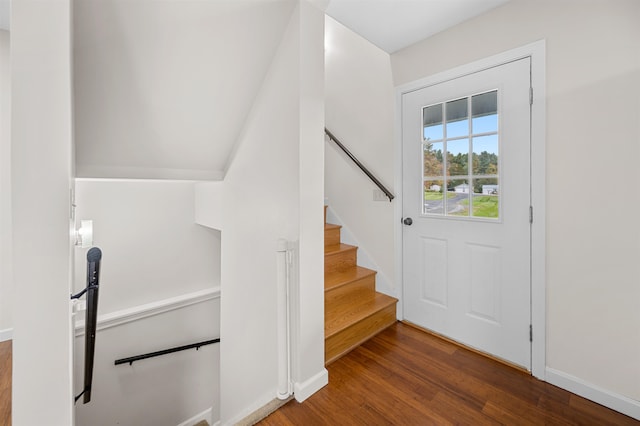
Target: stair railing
(130, 360)
(360, 165)
(94, 257)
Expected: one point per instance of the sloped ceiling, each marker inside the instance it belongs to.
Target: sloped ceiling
(162, 87)
(395, 24)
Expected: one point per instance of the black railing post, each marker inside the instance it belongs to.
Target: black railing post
(94, 257)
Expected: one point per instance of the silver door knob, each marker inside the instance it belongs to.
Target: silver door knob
(407, 221)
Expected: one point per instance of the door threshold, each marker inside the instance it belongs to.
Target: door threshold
(469, 348)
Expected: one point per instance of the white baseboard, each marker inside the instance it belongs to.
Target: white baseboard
(304, 390)
(205, 415)
(263, 412)
(6, 334)
(617, 402)
(301, 392)
(257, 405)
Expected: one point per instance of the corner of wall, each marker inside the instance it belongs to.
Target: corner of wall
(6, 258)
(359, 73)
(208, 204)
(264, 203)
(310, 386)
(41, 93)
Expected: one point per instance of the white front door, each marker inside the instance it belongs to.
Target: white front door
(466, 204)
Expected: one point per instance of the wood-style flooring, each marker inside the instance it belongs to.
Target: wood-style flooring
(5, 383)
(404, 376)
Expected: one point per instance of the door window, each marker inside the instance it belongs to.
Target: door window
(461, 175)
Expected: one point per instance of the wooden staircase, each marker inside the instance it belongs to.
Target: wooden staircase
(353, 310)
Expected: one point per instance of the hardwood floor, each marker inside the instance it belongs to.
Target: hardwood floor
(5, 383)
(404, 376)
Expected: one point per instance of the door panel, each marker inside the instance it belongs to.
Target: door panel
(466, 185)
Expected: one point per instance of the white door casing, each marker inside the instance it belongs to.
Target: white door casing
(470, 278)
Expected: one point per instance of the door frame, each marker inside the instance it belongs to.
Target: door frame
(535, 51)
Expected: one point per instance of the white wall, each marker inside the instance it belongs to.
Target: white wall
(152, 247)
(41, 178)
(262, 203)
(5, 14)
(165, 390)
(153, 251)
(593, 116)
(359, 100)
(6, 266)
(309, 372)
(208, 204)
(163, 87)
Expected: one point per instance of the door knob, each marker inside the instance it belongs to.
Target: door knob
(407, 221)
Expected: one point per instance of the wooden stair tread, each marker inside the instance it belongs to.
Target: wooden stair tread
(331, 234)
(337, 248)
(343, 277)
(339, 257)
(354, 311)
(356, 334)
(340, 316)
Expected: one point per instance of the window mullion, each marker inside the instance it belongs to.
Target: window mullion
(470, 157)
(445, 160)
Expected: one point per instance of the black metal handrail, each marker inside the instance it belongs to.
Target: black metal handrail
(360, 165)
(94, 257)
(133, 359)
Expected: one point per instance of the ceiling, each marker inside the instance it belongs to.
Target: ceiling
(162, 87)
(395, 24)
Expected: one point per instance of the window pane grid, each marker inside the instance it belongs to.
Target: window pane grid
(460, 157)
